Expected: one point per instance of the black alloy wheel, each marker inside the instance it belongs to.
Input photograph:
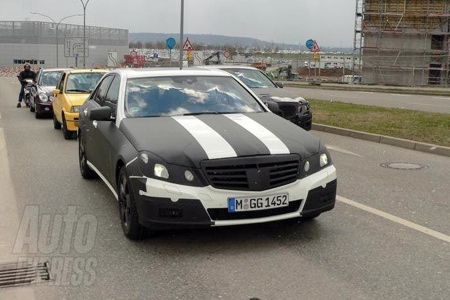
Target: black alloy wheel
(127, 208)
(86, 171)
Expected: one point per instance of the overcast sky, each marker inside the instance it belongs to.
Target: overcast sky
(330, 22)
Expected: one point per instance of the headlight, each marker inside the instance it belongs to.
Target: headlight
(75, 108)
(303, 107)
(161, 171)
(51, 98)
(153, 166)
(316, 162)
(43, 97)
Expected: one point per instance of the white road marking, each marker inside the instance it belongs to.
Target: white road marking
(395, 219)
(342, 150)
(442, 98)
(427, 104)
(400, 95)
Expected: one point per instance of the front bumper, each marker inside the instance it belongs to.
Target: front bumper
(163, 205)
(304, 121)
(44, 108)
(72, 120)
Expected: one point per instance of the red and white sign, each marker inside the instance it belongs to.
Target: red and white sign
(187, 46)
(315, 47)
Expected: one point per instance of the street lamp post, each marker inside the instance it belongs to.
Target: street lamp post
(56, 31)
(84, 30)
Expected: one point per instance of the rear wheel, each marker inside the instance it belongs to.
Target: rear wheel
(86, 172)
(127, 208)
(56, 123)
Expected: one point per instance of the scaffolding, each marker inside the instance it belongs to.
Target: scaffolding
(403, 42)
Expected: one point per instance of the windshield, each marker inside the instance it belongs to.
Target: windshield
(187, 95)
(82, 82)
(50, 78)
(252, 78)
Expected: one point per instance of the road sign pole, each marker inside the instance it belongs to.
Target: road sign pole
(181, 34)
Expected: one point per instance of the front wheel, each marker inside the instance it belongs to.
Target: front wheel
(56, 123)
(86, 171)
(32, 108)
(68, 135)
(127, 208)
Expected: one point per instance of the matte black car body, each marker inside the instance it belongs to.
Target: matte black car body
(46, 81)
(293, 107)
(178, 170)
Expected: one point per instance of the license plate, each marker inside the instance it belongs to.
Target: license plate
(257, 203)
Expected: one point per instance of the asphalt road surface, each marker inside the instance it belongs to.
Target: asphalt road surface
(387, 238)
(429, 103)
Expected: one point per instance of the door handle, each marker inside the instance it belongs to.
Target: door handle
(94, 123)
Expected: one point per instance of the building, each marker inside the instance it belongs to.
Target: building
(403, 42)
(46, 44)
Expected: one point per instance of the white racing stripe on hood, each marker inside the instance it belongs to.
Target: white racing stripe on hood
(272, 142)
(212, 142)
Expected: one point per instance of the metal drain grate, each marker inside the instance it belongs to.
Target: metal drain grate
(23, 273)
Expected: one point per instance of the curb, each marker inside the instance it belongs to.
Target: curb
(382, 139)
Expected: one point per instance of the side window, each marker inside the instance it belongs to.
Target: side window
(113, 95)
(100, 94)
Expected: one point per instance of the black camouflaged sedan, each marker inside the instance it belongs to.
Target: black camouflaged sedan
(197, 148)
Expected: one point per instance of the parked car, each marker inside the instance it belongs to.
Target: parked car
(293, 107)
(46, 81)
(197, 148)
(72, 90)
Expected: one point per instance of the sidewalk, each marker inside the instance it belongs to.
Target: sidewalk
(421, 90)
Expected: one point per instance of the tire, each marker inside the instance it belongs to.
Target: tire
(86, 172)
(127, 208)
(32, 108)
(56, 124)
(68, 135)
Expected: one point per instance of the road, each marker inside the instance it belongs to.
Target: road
(439, 104)
(387, 238)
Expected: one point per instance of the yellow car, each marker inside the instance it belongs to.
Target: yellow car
(72, 90)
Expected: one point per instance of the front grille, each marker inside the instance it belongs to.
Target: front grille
(252, 173)
(222, 214)
(289, 109)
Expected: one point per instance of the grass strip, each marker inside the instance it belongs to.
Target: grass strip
(425, 127)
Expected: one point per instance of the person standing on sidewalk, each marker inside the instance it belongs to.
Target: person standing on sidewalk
(27, 73)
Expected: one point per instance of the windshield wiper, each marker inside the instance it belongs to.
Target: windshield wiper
(210, 113)
(78, 91)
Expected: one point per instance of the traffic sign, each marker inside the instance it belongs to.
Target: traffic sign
(315, 47)
(309, 43)
(74, 46)
(170, 43)
(226, 53)
(187, 46)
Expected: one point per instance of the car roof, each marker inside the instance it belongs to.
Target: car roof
(160, 72)
(223, 67)
(53, 69)
(80, 71)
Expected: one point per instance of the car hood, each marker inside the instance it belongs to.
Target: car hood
(46, 89)
(77, 99)
(277, 95)
(187, 140)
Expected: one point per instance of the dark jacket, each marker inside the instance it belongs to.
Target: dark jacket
(26, 74)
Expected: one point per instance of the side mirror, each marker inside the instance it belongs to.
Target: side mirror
(56, 92)
(100, 114)
(279, 84)
(273, 107)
